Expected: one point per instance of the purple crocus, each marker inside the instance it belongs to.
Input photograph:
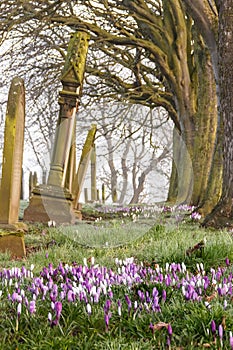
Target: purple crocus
(58, 309)
(70, 296)
(169, 329)
(32, 306)
(164, 295)
(213, 326)
(106, 319)
(128, 301)
(169, 338)
(107, 306)
(220, 333)
(168, 342)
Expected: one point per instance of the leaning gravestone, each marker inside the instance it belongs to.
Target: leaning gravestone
(12, 167)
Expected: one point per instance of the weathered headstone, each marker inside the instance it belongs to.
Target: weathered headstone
(71, 168)
(83, 164)
(93, 174)
(85, 195)
(35, 179)
(30, 184)
(54, 201)
(12, 154)
(12, 242)
(44, 177)
(103, 193)
(12, 169)
(98, 195)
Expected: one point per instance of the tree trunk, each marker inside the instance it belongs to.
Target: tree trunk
(214, 187)
(222, 214)
(193, 149)
(139, 189)
(181, 181)
(124, 172)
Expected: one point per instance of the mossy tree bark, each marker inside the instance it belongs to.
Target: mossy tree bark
(193, 147)
(222, 214)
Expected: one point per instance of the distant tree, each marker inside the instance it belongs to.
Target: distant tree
(131, 144)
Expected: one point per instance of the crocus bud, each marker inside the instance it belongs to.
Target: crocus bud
(19, 309)
(169, 329)
(49, 317)
(58, 308)
(213, 326)
(32, 307)
(220, 331)
(88, 309)
(231, 340)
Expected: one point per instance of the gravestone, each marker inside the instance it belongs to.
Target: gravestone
(12, 169)
(83, 164)
(103, 193)
(12, 154)
(93, 174)
(54, 201)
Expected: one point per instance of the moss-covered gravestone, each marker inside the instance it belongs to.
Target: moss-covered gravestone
(54, 201)
(12, 167)
(13, 243)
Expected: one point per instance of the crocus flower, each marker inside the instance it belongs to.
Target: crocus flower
(119, 307)
(168, 342)
(231, 340)
(107, 305)
(164, 295)
(213, 327)
(106, 319)
(32, 307)
(169, 329)
(50, 317)
(128, 301)
(220, 333)
(19, 309)
(58, 309)
(88, 306)
(152, 327)
(70, 296)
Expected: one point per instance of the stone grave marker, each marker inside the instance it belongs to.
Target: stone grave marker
(83, 164)
(54, 201)
(12, 167)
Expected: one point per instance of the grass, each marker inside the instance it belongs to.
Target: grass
(156, 242)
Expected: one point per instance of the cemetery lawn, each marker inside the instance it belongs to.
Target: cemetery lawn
(134, 281)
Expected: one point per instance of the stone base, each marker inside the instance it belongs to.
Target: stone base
(50, 203)
(17, 226)
(12, 243)
(78, 214)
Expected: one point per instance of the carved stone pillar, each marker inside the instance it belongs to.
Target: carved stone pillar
(53, 201)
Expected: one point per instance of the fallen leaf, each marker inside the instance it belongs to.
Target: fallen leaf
(211, 297)
(160, 325)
